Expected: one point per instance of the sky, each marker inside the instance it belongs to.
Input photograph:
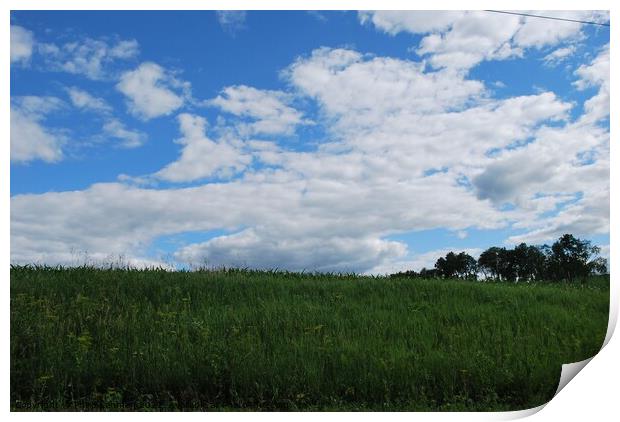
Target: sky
(367, 142)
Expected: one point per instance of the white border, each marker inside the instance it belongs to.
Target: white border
(592, 395)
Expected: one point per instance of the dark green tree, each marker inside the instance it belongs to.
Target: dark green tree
(528, 262)
(570, 259)
(453, 265)
(536, 263)
(489, 262)
(428, 273)
(507, 265)
(443, 266)
(466, 266)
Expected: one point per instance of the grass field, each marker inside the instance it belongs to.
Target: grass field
(87, 339)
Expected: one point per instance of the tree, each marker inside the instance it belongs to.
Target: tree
(528, 262)
(446, 267)
(536, 263)
(520, 264)
(567, 259)
(453, 265)
(507, 264)
(441, 266)
(466, 266)
(426, 273)
(570, 259)
(489, 262)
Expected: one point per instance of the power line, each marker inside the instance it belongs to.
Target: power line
(548, 17)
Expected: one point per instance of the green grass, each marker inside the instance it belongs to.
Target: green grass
(87, 339)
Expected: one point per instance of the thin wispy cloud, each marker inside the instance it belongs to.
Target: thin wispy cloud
(231, 21)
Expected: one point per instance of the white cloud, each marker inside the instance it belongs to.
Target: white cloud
(461, 40)
(231, 20)
(22, 41)
(124, 49)
(596, 73)
(253, 249)
(30, 139)
(586, 218)
(394, 110)
(286, 212)
(363, 91)
(152, 91)
(558, 55)
(129, 139)
(472, 38)
(536, 32)
(407, 149)
(549, 164)
(88, 57)
(83, 100)
(202, 157)
(418, 22)
(592, 75)
(268, 109)
(568, 163)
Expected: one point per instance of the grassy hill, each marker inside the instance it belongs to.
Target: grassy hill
(229, 340)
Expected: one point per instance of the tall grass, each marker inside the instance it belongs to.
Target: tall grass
(91, 339)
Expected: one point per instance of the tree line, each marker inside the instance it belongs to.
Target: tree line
(568, 259)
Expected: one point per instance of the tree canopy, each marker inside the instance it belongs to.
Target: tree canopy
(568, 259)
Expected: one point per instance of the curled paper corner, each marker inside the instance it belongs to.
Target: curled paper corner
(611, 324)
(518, 414)
(569, 371)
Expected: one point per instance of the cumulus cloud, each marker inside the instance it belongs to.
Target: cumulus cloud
(585, 218)
(113, 218)
(595, 74)
(407, 148)
(461, 40)
(394, 110)
(88, 57)
(395, 21)
(268, 109)
(472, 38)
(152, 91)
(568, 162)
(118, 219)
(22, 41)
(362, 91)
(30, 138)
(548, 163)
(536, 32)
(250, 248)
(202, 157)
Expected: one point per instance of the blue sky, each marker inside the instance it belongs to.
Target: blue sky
(330, 141)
